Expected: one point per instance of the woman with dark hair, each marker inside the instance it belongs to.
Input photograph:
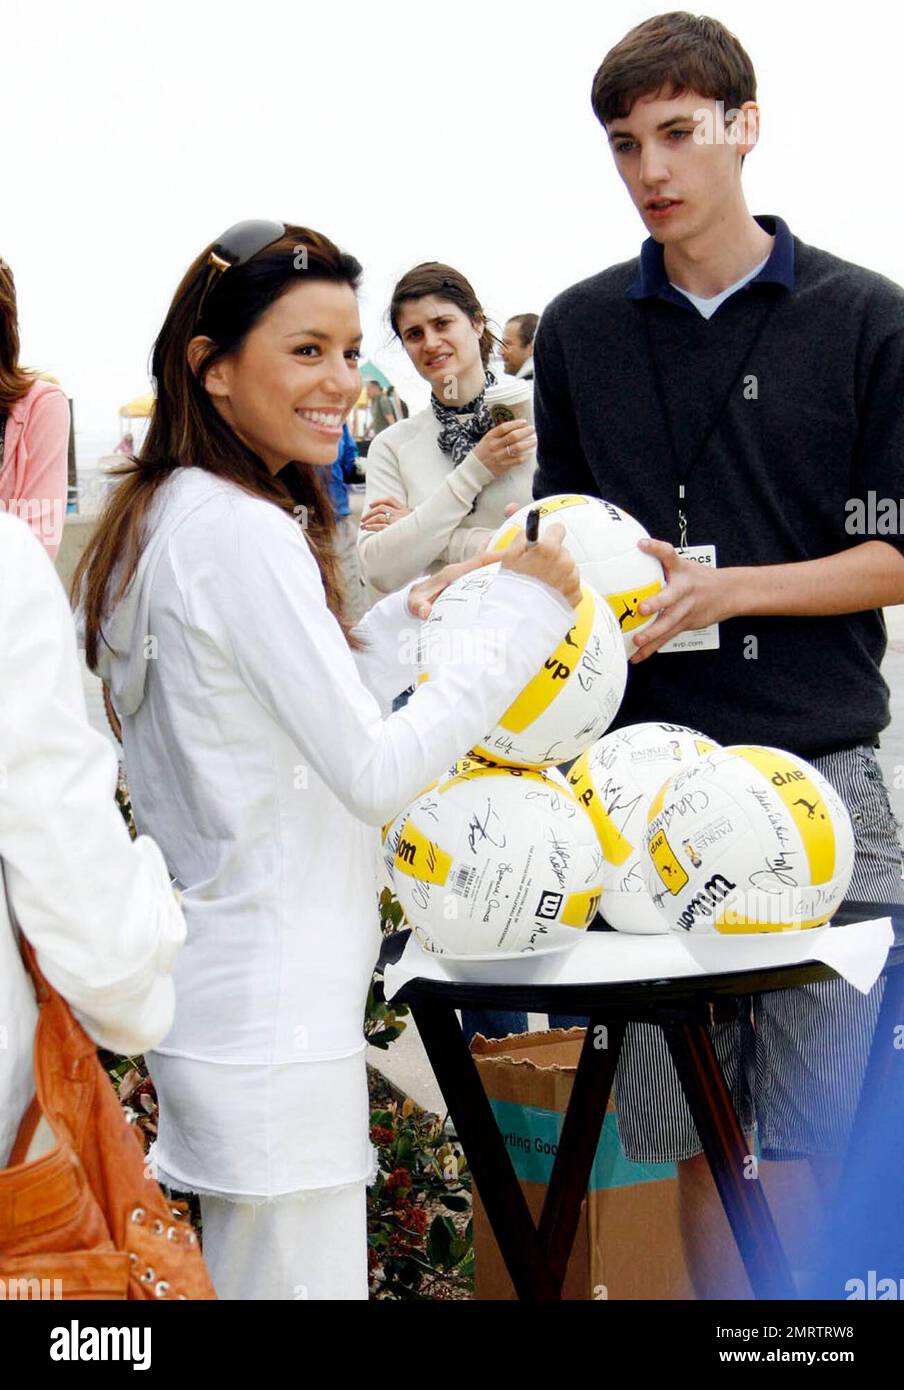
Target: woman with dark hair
(260, 750)
(34, 434)
(438, 484)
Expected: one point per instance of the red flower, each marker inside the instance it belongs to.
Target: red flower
(381, 1135)
(413, 1218)
(398, 1178)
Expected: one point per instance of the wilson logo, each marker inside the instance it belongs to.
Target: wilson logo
(714, 891)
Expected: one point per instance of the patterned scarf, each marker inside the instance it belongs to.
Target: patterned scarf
(463, 426)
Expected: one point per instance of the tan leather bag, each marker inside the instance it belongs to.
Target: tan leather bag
(86, 1217)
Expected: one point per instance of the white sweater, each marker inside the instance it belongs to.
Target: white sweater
(406, 462)
(260, 757)
(97, 908)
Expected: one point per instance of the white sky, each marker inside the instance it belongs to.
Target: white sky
(461, 132)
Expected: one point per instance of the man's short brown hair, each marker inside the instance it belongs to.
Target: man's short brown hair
(526, 325)
(675, 52)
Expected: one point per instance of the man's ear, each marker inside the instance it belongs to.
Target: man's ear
(745, 127)
(217, 378)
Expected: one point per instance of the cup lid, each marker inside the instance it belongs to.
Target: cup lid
(508, 392)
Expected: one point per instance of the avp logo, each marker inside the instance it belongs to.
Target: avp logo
(77, 1343)
(549, 905)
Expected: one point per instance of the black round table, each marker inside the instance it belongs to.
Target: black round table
(537, 1256)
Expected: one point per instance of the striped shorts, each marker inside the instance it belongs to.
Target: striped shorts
(793, 1060)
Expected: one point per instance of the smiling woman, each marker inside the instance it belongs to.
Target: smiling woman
(260, 751)
(255, 371)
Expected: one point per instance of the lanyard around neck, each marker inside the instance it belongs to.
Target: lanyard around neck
(684, 469)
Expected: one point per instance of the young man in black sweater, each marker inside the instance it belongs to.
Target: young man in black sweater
(737, 391)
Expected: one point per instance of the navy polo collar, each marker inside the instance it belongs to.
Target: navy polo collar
(652, 279)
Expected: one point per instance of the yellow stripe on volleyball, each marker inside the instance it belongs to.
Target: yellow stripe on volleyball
(703, 747)
(669, 870)
(539, 693)
(657, 803)
(808, 810)
(731, 924)
(613, 843)
(554, 504)
(626, 606)
(476, 769)
(580, 908)
(419, 857)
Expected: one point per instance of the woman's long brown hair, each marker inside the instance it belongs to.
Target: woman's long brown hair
(15, 382)
(186, 429)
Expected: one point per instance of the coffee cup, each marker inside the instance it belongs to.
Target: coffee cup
(510, 400)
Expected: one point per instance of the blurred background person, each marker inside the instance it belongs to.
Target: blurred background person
(34, 434)
(343, 472)
(517, 349)
(397, 405)
(382, 409)
(438, 483)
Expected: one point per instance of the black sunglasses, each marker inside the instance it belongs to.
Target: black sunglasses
(241, 243)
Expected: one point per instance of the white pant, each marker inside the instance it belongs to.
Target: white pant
(313, 1246)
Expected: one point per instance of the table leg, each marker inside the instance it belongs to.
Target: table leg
(578, 1143)
(726, 1150)
(488, 1159)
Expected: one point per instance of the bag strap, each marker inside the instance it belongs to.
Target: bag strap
(26, 1132)
(43, 992)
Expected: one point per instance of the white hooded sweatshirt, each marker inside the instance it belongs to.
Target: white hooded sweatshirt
(260, 757)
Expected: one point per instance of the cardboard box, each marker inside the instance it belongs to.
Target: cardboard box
(628, 1243)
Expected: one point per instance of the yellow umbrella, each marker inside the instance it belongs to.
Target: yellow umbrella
(138, 409)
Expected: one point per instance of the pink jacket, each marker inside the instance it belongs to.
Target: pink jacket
(34, 479)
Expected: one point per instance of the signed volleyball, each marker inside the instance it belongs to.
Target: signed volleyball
(749, 839)
(603, 540)
(389, 839)
(615, 781)
(570, 702)
(496, 863)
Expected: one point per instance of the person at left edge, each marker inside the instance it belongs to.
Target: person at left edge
(34, 434)
(260, 751)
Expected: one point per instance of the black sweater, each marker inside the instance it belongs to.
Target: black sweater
(821, 423)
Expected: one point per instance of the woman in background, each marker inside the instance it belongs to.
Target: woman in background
(439, 482)
(34, 434)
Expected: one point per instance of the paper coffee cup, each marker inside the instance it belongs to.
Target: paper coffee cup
(510, 400)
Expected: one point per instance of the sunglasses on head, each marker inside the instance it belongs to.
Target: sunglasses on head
(240, 244)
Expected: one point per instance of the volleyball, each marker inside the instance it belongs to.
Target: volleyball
(603, 540)
(615, 781)
(497, 863)
(569, 703)
(389, 840)
(749, 839)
